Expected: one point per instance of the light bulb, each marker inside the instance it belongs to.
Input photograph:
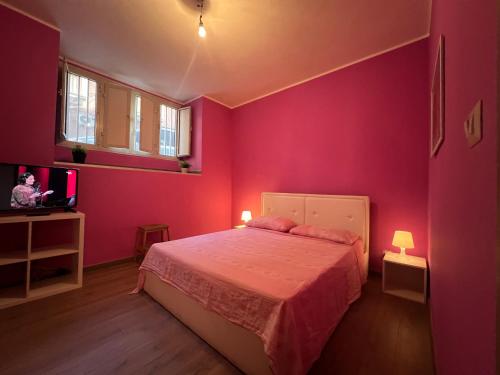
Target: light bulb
(201, 30)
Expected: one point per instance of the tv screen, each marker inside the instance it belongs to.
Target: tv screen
(31, 188)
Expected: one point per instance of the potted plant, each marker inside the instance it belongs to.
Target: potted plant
(184, 166)
(79, 154)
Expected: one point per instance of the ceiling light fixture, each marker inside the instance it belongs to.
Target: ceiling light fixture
(201, 28)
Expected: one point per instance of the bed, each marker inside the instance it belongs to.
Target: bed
(268, 301)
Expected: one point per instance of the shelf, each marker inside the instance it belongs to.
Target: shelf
(12, 295)
(23, 218)
(10, 257)
(407, 260)
(104, 166)
(49, 252)
(405, 277)
(52, 286)
(406, 293)
(41, 256)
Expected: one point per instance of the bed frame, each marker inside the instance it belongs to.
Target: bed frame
(239, 345)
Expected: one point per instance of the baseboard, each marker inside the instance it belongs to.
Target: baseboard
(108, 264)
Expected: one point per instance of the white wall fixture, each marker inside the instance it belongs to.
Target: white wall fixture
(473, 125)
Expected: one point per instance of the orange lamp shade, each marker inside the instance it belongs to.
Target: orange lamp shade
(403, 239)
(246, 216)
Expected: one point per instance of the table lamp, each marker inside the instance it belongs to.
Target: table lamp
(403, 240)
(246, 216)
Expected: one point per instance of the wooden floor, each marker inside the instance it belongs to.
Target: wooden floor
(100, 329)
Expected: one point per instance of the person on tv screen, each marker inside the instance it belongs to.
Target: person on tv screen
(25, 194)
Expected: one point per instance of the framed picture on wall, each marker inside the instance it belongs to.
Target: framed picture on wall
(437, 100)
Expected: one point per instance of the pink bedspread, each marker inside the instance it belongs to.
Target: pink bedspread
(290, 290)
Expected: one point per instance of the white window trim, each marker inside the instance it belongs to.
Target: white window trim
(188, 130)
(132, 150)
(176, 126)
(67, 68)
(99, 133)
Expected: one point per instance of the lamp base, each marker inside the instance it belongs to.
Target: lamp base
(403, 251)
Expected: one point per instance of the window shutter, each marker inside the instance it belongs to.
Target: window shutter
(147, 125)
(184, 132)
(62, 96)
(116, 129)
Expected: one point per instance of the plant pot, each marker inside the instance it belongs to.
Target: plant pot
(79, 157)
(185, 170)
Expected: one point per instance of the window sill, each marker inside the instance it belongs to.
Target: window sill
(112, 159)
(114, 150)
(103, 166)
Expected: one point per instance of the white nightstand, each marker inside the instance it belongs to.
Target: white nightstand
(405, 276)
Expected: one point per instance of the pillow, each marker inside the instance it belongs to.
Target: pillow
(281, 224)
(340, 236)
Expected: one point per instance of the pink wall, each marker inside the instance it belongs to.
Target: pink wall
(462, 193)
(362, 130)
(115, 201)
(28, 76)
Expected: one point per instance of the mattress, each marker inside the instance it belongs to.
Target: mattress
(289, 290)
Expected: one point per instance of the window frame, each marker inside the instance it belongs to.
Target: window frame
(134, 95)
(176, 127)
(187, 128)
(63, 110)
(102, 82)
(155, 125)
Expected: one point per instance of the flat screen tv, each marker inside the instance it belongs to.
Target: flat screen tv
(30, 189)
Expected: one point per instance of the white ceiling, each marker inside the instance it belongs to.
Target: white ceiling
(252, 48)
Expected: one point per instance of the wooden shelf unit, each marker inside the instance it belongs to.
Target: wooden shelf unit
(32, 256)
(405, 276)
(10, 257)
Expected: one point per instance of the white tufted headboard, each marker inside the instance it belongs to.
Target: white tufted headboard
(334, 211)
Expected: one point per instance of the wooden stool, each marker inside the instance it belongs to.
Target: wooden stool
(141, 245)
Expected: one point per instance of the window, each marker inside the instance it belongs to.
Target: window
(168, 125)
(115, 127)
(137, 123)
(81, 104)
(114, 117)
(184, 131)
